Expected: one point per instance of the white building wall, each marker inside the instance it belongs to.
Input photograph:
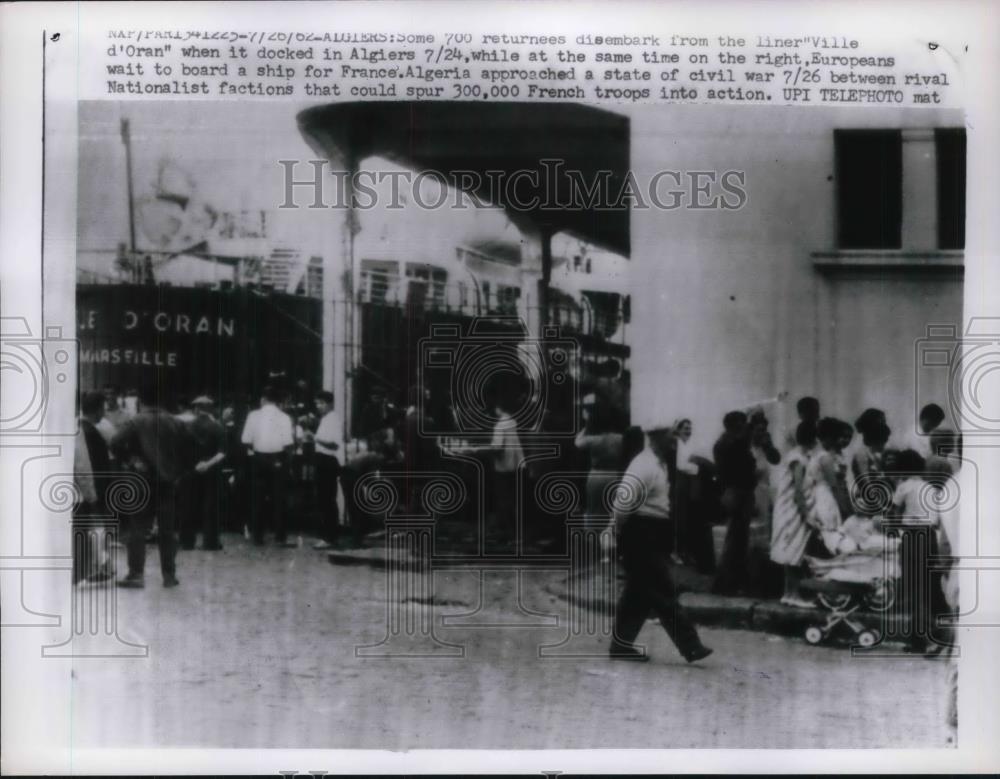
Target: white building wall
(728, 307)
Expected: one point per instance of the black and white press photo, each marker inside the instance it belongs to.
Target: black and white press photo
(472, 385)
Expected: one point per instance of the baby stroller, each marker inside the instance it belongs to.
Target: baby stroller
(861, 577)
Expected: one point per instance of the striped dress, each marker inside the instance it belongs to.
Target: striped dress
(789, 531)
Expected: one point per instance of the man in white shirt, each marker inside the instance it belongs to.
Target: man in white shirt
(329, 440)
(643, 519)
(653, 499)
(269, 438)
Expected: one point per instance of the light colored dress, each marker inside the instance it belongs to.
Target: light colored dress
(789, 531)
(826, 512)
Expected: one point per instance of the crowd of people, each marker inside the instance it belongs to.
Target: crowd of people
(171, 468)
(834, 499)
(820, 498)
(794, 502)
(815, 496)
(210, 466)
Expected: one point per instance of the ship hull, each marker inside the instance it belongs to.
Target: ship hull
(225, 343)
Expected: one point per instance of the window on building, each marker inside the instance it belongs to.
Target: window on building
(950, 143)
(869, 171)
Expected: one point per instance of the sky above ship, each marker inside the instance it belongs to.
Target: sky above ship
(196, 161)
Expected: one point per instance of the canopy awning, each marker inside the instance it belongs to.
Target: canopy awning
(553, 141)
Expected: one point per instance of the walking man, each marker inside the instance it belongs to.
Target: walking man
(158, 447)
(646, 535)
(269, 438)
(329, 441)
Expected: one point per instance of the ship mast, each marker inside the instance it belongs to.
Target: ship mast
(127, 140)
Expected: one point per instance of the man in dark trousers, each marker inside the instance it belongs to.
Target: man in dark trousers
(643, 519)
(158, 447)
(269, 437)
(210, 451)
(92, 469)
(737, 474)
